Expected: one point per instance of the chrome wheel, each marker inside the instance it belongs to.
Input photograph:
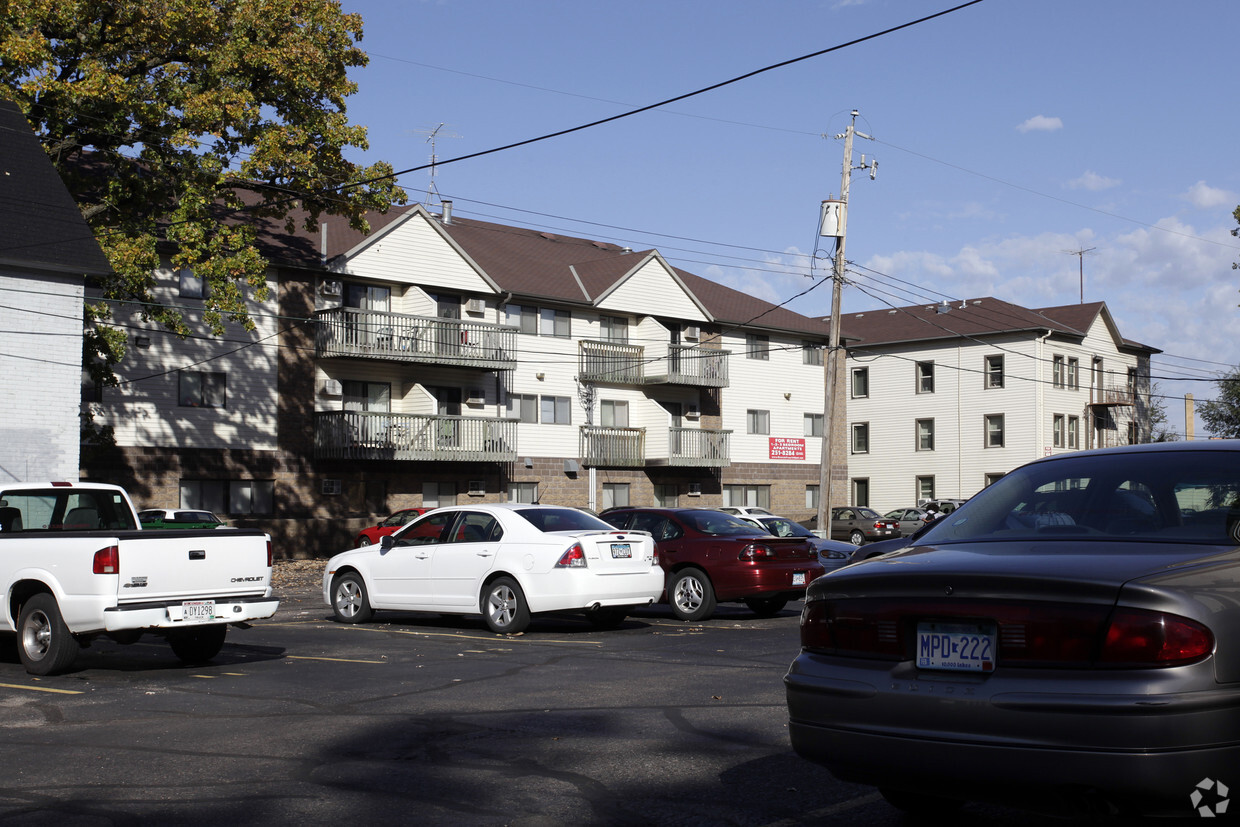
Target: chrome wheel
(692, 596)
(349, 601)
(504, 607)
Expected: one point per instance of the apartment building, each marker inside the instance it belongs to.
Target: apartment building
(944, 399)
(443, 359)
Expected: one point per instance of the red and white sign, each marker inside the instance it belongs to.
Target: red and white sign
(787, 448)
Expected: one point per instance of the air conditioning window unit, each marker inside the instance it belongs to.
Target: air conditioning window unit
(332, 387)
(695, 489)
(692, 412)
(332, 487)
(476, 305)
(330, 287)
(475, 396)
(477, 488)
(692, 332)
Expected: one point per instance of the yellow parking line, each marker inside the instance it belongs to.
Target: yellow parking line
(333, 660)
(40, 689)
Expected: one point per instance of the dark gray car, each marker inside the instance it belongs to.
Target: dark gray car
(1071, 634)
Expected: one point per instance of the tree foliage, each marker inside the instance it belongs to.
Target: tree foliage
(166, 117)
(1221, 416)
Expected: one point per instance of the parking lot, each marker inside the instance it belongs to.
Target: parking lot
(429, 720)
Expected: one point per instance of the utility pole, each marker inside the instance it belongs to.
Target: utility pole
(835, 224)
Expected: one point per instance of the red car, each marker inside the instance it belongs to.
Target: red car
(710, 556)
(390, 525)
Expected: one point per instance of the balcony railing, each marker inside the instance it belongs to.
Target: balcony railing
(372, 334)
(625, 364)
(414, 437)
(628, 448)
(1111, 395)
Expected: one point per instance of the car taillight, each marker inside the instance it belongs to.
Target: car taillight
(1137, 637)
(574, 558)
(756, 551)
(270, 559)
(107, 561)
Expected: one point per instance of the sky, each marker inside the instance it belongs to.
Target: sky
(1011, 135)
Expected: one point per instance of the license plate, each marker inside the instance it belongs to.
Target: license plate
(197, 611)
(961, 647)
(798, 578)
(619, 550)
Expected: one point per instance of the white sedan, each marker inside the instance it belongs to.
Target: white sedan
(505, 561)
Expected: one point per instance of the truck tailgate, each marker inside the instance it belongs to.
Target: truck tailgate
(175, 565)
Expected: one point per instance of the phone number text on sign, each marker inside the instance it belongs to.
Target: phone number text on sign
(787, 448)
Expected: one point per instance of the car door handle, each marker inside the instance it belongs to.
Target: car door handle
(422, 555)
(483, 553)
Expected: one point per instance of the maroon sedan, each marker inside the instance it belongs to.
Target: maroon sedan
(391, 525)
(710, 556)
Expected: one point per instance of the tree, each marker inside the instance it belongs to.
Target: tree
(1160, 428)
(176, 123)
(1221, 416)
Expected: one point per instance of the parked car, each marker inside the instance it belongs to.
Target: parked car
(712, 557)
(1070, 634)
(745, 511)
(861, 525)
(942, 506)
(390, 525)
(831, 553)
(506, 562)
(910, 519)
(178, 518)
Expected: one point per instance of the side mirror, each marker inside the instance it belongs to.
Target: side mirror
(386, 542)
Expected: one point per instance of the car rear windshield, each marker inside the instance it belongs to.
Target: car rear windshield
(64, 509)
(718, 524)
(1176, 497)
(563, 519)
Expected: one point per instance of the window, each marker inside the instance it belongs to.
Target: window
(758, 496)
(524, 318)
(861, 492)
(994, 430)
(861, 438)
(1074, 374)
(1074, 429)
(202, 390)
(925, 435)
(812, 353)
(811, 496)
(1132, 380)
(92, 389)
(556, 323)
(191, 286)
(615, 494)
(813, 424)
(860, 383)
(665, 496)
(243, 497)
(614, 414)
(555, 410)
(523, 492)
(925, 377)
(1057, 430)
(994, 371)
(438, 494)
(994, 477)
(523, 406)
(925, 489)
(1134, 433)
(758, 422)
(757, 346)
(1057, 371)
(615, 329)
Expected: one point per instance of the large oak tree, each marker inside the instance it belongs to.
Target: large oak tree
(169, 118)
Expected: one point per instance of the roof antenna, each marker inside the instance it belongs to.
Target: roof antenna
(431, 135)
(1080, 254)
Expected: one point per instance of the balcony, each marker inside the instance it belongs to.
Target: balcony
(414, 437)
(1111, 395)
(624, 364)
(628, 448)
(371, 334)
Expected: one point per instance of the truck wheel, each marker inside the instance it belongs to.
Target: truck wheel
(349, 601)
(691, 594)
(43, 640)
(198, 644)
(504, 608)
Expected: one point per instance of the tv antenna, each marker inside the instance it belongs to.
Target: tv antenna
(432, 135)
(1080, 254)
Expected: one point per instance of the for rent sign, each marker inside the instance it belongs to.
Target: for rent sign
(787, 448)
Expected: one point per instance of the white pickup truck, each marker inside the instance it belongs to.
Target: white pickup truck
(74, 565)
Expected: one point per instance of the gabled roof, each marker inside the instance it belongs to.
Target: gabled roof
(43, 227)
(976, 318)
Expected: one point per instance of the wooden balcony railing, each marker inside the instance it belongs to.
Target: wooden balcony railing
(625, 364)
(414, 437)
(628, 448)
(698, 448)
(622, 447)
(1111, 395)
(371, 334)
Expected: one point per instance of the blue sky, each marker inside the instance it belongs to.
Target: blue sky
(1008, 134)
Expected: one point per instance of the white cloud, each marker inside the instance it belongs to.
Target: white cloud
(1204, 197)
(1093, 182)
(1040, 123)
